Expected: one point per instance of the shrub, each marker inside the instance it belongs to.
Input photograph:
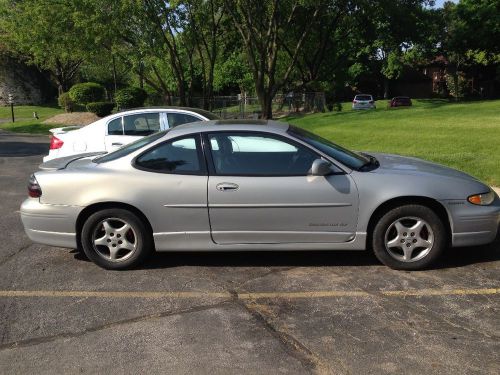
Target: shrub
(337, 107)
(65, 102)
(84, 93)
(101, 109)
(457, 85)
(130, 97)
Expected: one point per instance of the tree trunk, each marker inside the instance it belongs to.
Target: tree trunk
(386, 88)
(182, 93)
(266, 105)
(114, 75)
(268, 114)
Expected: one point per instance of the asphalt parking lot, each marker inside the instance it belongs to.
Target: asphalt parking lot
(255, 313)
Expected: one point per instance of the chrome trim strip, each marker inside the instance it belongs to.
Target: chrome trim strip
(55, 233)
(278, 205)
(177, 233)
(44, 215)
(278, 232)
(185, 205)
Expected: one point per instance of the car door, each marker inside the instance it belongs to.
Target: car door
(174, 192)
(260, 191)
(128, 128)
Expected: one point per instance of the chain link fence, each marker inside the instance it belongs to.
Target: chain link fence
(242, 106)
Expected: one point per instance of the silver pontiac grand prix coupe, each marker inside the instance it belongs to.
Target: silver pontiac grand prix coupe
(254, 185)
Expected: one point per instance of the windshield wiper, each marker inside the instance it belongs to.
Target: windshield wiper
(371, 164)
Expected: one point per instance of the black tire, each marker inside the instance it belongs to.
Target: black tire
(137, 238)
(405, 217)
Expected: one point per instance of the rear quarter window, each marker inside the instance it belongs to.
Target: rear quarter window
(115, 127)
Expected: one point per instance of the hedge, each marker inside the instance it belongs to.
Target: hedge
(84, 93)
(130, 97)
(65, 102)
(101, 109)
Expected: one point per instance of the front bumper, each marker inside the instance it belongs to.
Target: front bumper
(48, 224)
(473, 225)
(364, 106)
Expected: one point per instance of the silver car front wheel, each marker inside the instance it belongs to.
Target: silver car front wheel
(409, 237)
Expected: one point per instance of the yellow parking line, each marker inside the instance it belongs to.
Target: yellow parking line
(312, 294)
(247, 295)
(440, 292)
(106, 294)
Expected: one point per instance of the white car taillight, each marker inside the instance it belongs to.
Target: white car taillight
(55, 143)
(34, 189)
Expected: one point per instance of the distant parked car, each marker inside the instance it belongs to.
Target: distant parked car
(400, 101)
(114, 131)
(363, 101)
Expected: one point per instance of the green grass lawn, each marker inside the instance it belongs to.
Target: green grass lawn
(24, 121)
(465, 136)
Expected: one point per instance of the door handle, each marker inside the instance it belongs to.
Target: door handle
(116, 144)
(227, 186)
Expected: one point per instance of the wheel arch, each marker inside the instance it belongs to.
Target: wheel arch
(431, 203)
(95, 207)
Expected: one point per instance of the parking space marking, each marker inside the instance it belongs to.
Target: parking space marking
(110, 294)
(247, 295)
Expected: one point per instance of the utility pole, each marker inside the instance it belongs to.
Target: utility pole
(11, 102)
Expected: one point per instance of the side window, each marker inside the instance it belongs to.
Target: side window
(181, 156)
(245, 154)
(115, 127)
(141, 124)
(176, 119)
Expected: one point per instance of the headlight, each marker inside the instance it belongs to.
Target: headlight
(482, 199)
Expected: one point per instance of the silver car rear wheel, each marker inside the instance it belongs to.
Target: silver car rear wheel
(409, 239)
(116, 238)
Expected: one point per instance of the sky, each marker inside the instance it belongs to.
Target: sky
(439, 3)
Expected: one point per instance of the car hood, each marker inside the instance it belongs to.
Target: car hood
(390, 163)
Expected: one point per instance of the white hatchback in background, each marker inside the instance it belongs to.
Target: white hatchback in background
(119, 129)
(363, 101)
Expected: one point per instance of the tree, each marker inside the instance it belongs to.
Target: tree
(44, 33)
(395, 28)
(330, 43)
(263, 27)
(165, 22)
(204, 32)
(470, 37)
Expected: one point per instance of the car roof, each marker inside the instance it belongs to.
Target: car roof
(202, 112)
(232, 125)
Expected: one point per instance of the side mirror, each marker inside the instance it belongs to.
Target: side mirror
(321, 167)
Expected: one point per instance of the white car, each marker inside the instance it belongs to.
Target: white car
(119, 129)
(363, 101)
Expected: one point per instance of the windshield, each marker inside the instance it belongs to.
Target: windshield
(363, 97)
(131, 147)
(348, 158)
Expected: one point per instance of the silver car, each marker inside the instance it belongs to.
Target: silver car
(254, 185)
(363, 101)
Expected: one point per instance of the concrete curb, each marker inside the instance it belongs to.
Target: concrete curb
(497, 189)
